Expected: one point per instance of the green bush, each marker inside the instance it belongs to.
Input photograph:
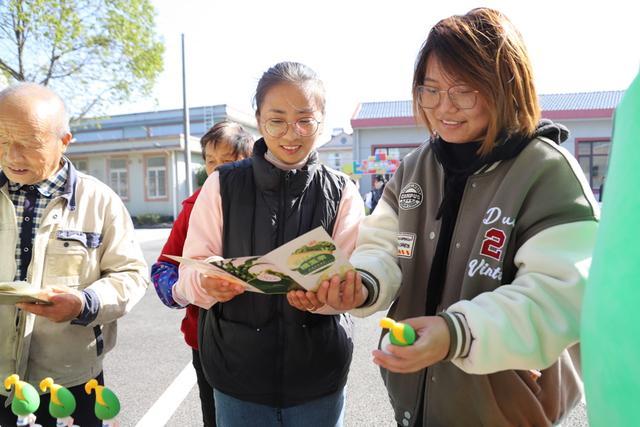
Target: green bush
(201, 176)
(151, 219)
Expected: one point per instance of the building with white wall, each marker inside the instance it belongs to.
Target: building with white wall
(338, 151)
(390, 128)
(141, 155)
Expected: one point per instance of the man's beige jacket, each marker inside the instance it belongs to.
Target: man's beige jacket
(85, 241)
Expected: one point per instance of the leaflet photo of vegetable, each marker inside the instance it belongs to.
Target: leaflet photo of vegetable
(241, 271)
(259, 275)
(312, 258)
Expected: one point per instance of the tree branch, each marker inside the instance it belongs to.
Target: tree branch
(63, 75)
(9, 70)
(19, 35)
(52, 60)
(92, 104)
(73, 70)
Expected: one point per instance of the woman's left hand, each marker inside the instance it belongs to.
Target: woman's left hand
(304, 301)
(430, 347)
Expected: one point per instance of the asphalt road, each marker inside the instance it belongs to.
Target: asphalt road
(149, 371)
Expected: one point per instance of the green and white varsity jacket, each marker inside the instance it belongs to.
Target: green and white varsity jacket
(517, 267)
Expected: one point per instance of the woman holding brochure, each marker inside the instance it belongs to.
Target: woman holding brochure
(276, 359)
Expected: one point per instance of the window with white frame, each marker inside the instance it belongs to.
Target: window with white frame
(119, 177)
(81, 165)
(156, 177)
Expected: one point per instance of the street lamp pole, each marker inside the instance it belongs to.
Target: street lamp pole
(185, 118)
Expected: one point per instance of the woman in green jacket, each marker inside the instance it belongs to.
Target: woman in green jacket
(482, 242)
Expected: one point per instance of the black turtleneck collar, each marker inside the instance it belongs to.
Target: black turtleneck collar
(456, 158)
(269, 178)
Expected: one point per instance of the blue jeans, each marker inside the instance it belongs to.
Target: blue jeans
(327, 411)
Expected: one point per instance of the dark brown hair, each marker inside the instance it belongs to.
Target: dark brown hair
(231, 133)
(293, 73)
(487, 52)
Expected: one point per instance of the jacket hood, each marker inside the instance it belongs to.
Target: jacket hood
(511, 146)
(556, 132)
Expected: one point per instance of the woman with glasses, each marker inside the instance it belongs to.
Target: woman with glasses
(273, 360)
(482, 241)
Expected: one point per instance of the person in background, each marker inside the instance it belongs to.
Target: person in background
(273, 360)
(367, 201)
(376, 193)
(481, 242)
(225, 142)
(68, 235)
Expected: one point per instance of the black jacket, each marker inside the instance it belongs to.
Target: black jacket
(257, 347)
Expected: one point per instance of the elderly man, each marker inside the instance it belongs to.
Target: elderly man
(68, 234)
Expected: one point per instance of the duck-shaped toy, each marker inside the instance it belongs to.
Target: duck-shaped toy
(400, 334)
(62, 402)
(25, 402)
(107, 404)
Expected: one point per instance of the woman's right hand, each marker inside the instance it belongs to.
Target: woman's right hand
(343, 296)
(222, 290)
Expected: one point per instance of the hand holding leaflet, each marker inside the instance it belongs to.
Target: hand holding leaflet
(16, 292)
(301, 264)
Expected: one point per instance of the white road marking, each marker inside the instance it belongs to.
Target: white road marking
(144, 235)
(162, 411)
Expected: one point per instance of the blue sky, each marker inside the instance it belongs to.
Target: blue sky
(365, 50)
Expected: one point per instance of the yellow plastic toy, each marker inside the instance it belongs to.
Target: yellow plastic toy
(62, 402)
(107, 404)
(400, 334)
(25, 402)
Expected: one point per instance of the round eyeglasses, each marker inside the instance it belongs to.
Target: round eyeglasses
(307, 126)
(461, 97)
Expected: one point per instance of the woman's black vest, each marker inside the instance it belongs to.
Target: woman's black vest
(257, 347)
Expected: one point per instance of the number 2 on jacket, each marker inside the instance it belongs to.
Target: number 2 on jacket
(493, 242)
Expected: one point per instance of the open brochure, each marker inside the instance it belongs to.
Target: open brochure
(15, 292)
(303, 263)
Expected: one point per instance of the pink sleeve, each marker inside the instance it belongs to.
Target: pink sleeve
(350, 213)
(204, 239)
(345, 230)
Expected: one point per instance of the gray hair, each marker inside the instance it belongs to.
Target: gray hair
(289, 72)
(61, 128)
